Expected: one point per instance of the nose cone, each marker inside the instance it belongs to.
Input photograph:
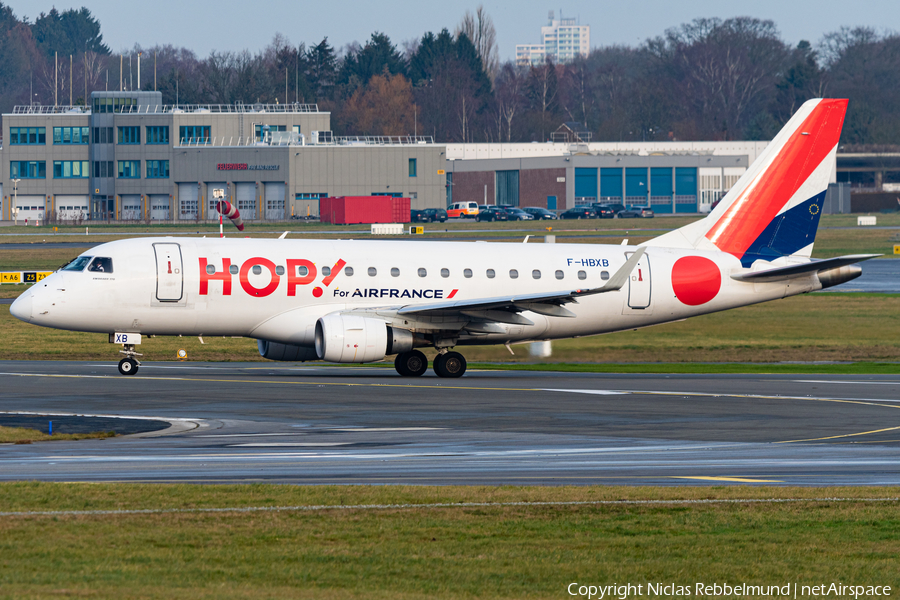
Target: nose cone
(21, 308)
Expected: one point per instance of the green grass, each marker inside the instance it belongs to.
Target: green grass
(428, 552)
(22, 435)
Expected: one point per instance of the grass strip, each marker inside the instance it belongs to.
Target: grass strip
(22, 435)
(483, 542)
(857, 368)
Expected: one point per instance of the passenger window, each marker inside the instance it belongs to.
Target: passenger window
(78, 264)
(536, 274)
(326, 271)
(604, 275)
(445, 272)
(395, 272)
(373, 272)
(279, 271)
(210, 269)
(560, 274)
(490, 273)
(467, 273)
(513, 274)
(101, 265)
(422, 272)
(301, 271)
(233, 269)
(348, 271)
(257, 270)
(582, 275)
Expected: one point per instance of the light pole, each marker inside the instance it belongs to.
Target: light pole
(15, 208)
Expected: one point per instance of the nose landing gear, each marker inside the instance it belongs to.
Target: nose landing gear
(129, 365)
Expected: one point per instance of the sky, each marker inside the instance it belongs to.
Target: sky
(206, 25)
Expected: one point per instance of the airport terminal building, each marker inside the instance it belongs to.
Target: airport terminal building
(128, 157)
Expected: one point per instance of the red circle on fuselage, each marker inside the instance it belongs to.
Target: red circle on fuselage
(317, 292)
(696, 280)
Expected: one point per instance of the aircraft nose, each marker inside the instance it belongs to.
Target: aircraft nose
(21, 308)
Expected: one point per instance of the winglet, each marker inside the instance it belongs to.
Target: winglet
(621, 276)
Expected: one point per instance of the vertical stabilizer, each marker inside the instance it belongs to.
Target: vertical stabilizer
(773, 210)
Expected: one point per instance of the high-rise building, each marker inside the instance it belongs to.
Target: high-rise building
(562, 40)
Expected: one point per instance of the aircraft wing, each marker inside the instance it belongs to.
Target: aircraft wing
(504, 308)
(791, 271)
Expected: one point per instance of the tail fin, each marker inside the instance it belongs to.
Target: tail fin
(773, 210)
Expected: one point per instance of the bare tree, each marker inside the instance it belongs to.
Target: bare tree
(480, 29)
(509, 94)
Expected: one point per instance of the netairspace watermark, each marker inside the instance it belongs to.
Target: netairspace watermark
(623, 591)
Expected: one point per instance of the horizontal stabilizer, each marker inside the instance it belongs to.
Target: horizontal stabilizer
(792, 271)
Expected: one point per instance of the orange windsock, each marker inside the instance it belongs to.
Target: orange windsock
(230, 210)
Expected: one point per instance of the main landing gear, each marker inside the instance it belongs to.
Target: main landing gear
(129, 365)
(446, 364)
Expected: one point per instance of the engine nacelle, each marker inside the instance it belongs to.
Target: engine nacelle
(351, 339)
(285, 352)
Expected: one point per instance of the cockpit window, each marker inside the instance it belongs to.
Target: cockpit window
(78, 264)
(101, 265)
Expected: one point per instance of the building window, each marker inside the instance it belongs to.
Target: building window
(412, 167)
(312, 196)
(103, 168)
(157, 134)
(103, 135)
(261, 132)
(157, 169)
(108, 105)
(27, 135)
(28, 169)
(71, 135)
(194, 134)
(129, 169)
(71, 169)
(130, 135)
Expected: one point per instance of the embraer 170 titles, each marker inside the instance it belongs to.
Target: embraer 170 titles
(360, 301)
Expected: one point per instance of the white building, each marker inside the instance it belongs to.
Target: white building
(562, 40)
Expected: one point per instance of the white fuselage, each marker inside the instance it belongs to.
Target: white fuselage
(158, 286)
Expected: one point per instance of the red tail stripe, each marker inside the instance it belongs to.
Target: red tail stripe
(752, 212)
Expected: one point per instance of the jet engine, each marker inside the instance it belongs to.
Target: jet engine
(354, 339)
(286, 352)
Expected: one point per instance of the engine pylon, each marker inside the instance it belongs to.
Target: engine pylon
(230, 210)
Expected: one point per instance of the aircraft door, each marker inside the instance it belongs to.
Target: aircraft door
(639, 283)
(169, 272)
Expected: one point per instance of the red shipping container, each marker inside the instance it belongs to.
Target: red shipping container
(349, 210)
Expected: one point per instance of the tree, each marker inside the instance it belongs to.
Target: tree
(383, 107)
(479, 28)
(803, 79)
(69, 32)
(725, 71)
(321, 70)
(509, 88)
(378, 57)
(541, 88)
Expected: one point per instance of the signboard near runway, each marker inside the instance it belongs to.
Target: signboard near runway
(23, 276)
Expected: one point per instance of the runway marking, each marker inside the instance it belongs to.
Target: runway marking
(432, 505)
(733, 479)
(834, 437)
(597, 392)
(848, 382)
(380, 429)
(289, 444)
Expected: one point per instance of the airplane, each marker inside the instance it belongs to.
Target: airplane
(362, 301)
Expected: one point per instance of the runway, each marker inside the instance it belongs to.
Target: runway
(284, 423)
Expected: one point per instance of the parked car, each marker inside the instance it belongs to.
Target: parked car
(461, 210)
(540, 214)
(517, 214)
(493, 213)
(616, 208)
(419, 216)
(579, 212)
(604, 211)
(634, 212)
(438, 215)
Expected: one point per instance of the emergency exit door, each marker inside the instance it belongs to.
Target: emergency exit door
(639, 283)
(169, 272)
